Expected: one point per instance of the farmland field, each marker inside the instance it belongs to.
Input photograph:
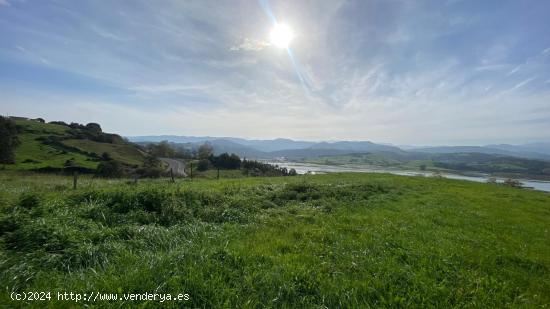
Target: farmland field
(336, 240)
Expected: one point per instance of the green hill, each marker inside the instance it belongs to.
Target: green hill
(53, 146)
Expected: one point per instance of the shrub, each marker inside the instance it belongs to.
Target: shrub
(226, 161)
(110, 168)
(8, 140)
(203, 165)
(29, 201)
(152, 167)
(512, 183)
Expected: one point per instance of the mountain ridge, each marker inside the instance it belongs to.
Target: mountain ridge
(283, 147)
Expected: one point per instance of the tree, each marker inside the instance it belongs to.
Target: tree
(110, 168)
(70, 163)
(152, 162)
(94, 127)
(8, 140)
(162, 149)
(203, 165)
(226, 161)
(205, 151)
(152, 167)
(106, 156)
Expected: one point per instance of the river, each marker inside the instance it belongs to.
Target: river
(302, 168)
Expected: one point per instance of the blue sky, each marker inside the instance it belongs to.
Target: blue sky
(403, 72)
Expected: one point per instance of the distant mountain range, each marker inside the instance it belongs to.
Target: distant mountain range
(266, 149)
(531, 151)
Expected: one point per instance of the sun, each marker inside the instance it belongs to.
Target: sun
(281, 35)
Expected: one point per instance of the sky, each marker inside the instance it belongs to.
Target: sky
(393, 71)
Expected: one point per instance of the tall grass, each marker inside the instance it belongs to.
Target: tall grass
(339, 240)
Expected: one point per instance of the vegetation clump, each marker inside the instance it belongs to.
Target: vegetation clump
(8, 140)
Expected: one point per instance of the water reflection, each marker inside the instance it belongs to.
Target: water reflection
(303, 168)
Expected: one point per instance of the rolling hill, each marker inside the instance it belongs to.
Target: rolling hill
(275, 148)
(265, 149)
(53, 146)
(507, 150)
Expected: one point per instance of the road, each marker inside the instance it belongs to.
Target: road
(177, 166)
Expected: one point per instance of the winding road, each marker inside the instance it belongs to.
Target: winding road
(177, 166)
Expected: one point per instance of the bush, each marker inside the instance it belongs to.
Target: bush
(255, 168)
(203, 165)
(8, 140)
(512, 183)
(110, 168)
(226, 161)
(152, 167)
(29, 201)
(61, 123)
(93, 127)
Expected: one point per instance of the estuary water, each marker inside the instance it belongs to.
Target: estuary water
(303, 168)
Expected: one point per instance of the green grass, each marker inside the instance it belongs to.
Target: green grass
(43, 128)
(336, 240)
(33, 153)
(124, 153)
(213, 174)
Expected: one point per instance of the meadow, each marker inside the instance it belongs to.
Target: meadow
(336, 240)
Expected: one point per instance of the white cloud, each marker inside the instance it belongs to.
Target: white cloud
(523, 83)
(175, 66)
(31, 54)
(249, 44)
(514, 70)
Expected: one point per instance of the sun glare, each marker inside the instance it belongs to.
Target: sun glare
(281, 35)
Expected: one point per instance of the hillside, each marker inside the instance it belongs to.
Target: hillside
(51, 146)
(326, 241)
(506, 150)
(265, 149)
(263, 146)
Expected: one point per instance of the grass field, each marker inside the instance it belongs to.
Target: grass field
(121, 152)
(34, 153)
(335, 240)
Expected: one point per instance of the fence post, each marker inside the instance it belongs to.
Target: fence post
(191, 169)
(218, 177)
(75, 179)
(171, 175)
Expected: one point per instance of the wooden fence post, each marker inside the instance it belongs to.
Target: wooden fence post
(172, 175)
(191, 169)
(75, 179)
(218, 177)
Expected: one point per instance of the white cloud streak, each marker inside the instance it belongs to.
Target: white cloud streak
(249, 44)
